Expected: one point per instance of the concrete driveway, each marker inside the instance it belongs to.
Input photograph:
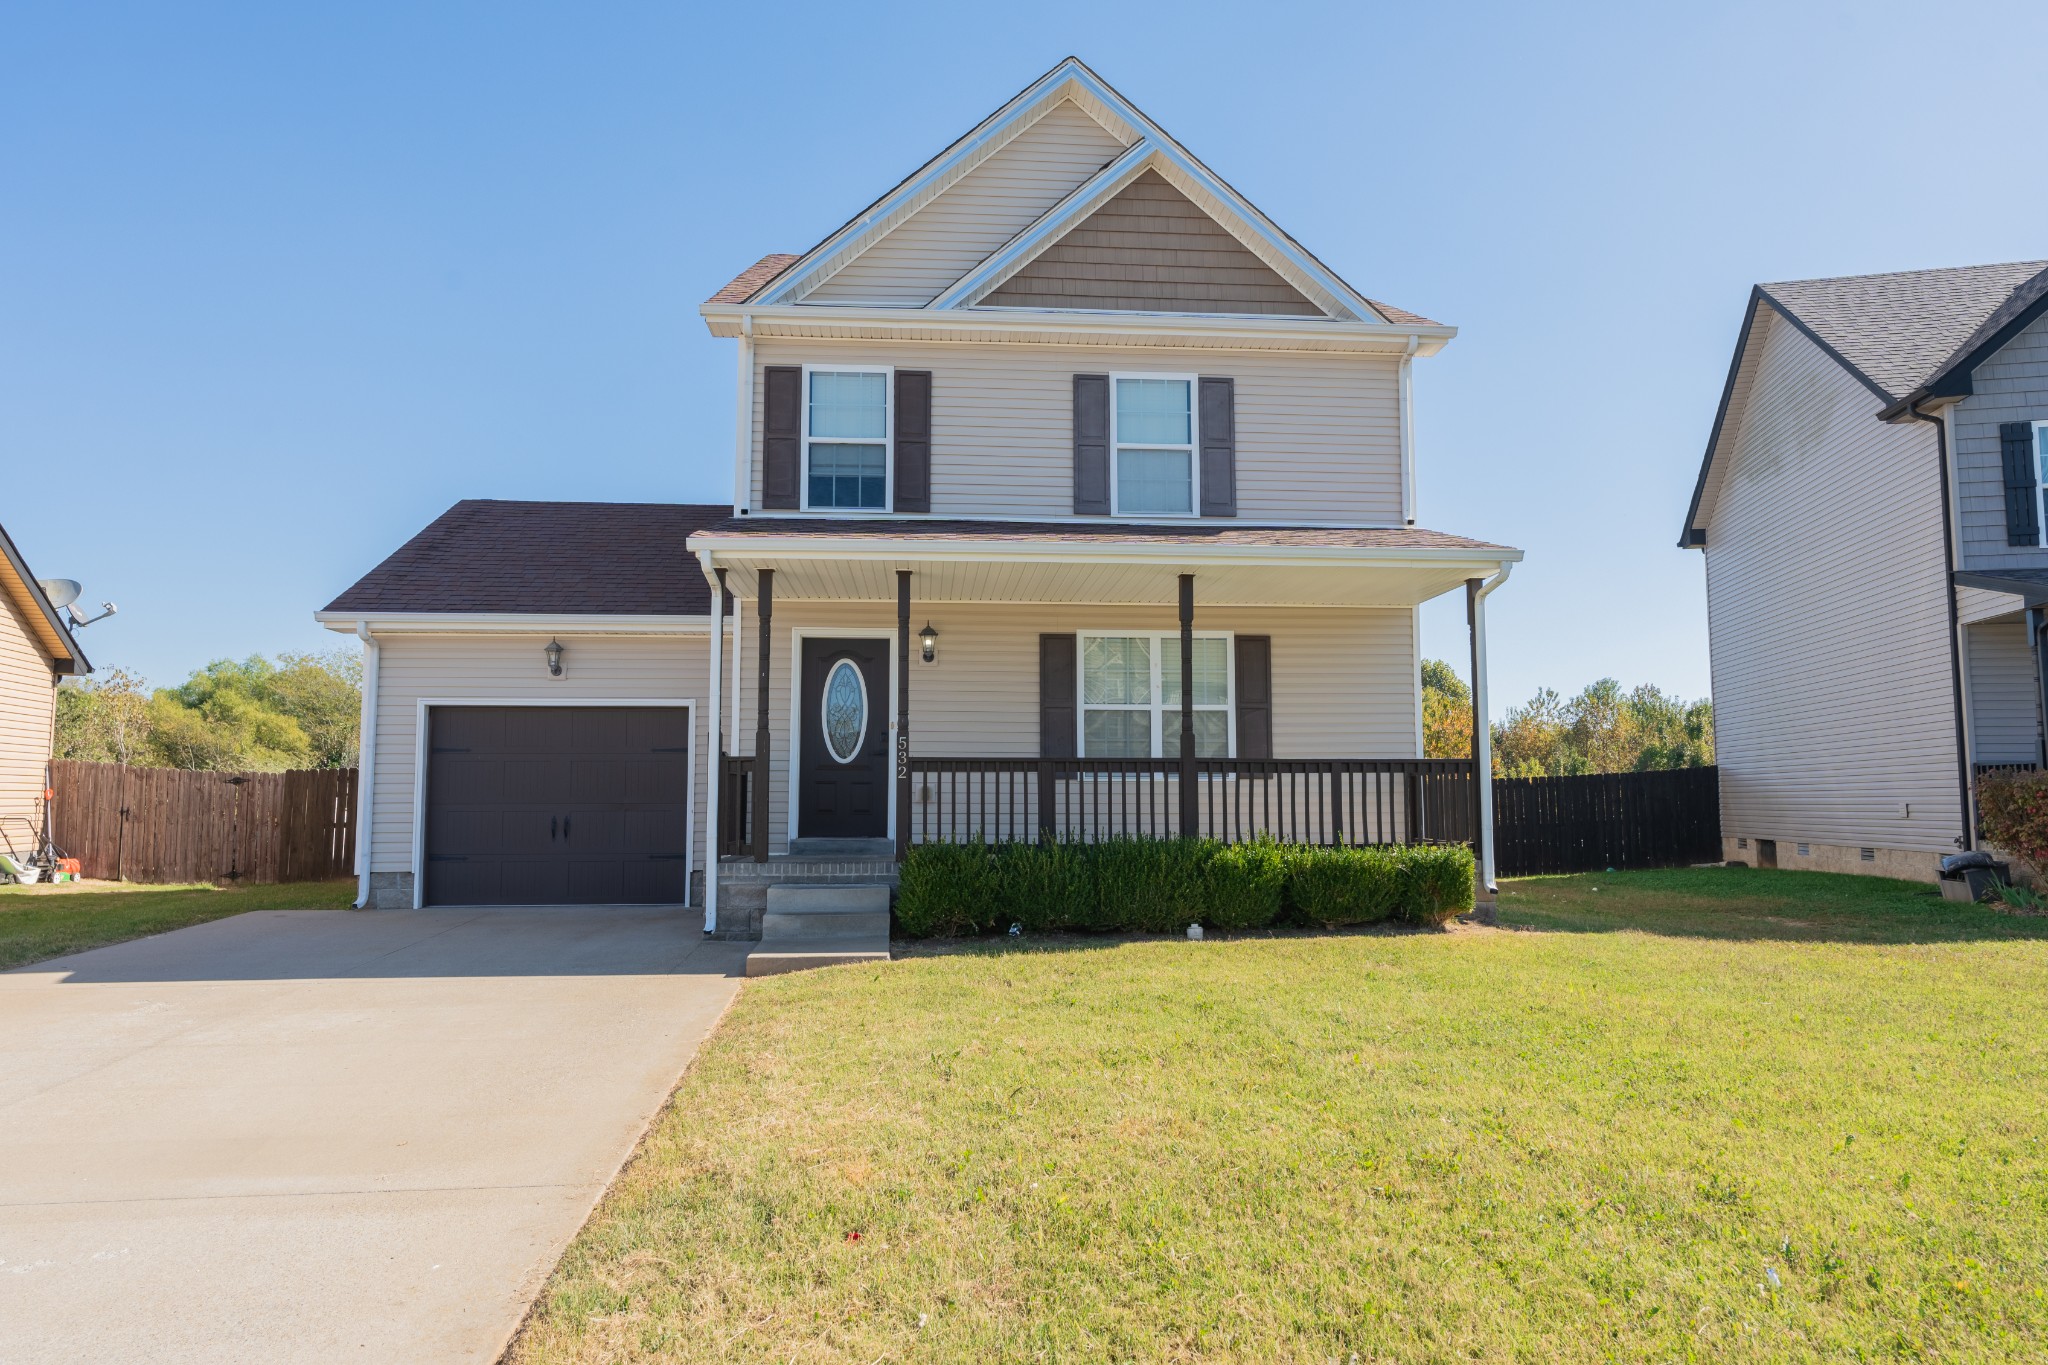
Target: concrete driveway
(328, 1135)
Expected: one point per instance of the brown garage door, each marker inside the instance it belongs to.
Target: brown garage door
(557, 805)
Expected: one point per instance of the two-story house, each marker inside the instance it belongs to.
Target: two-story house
(1870, 509)
(1072, 497)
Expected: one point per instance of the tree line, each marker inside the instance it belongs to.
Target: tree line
(1603, 729)
(255, 715)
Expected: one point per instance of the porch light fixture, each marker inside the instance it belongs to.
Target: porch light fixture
(928, 641)
(554, 652)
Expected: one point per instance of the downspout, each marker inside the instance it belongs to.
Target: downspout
(366, 762)
(743, 421)
(1482, 731)
(1407, 400)
(1965, 797)
(714, 789)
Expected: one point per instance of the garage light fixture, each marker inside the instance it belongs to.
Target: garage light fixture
(928, 640)
(555, 658)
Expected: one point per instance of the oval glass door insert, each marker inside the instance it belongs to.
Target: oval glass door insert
(846, 711)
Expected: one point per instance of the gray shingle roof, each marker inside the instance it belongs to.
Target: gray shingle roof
(1897, 329)
(576, 558)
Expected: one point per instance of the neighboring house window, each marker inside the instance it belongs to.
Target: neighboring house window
(1152, 431)
(1130, 696)
(846, 439)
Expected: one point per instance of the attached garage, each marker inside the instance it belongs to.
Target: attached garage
(557, 805)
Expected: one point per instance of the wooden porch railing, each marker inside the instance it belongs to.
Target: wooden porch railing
(736, 806)
(1315, 801)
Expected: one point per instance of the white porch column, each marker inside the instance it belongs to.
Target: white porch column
(1488, 890)
(716, 765)
(366, 762)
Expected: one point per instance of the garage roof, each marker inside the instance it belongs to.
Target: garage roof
(573, 558)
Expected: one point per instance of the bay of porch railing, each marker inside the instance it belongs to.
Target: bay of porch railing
(1341, 801)
(735, 805)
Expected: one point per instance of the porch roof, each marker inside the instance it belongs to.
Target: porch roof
(856, 559)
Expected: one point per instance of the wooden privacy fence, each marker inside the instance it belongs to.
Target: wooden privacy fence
(1601, 820)
(173, 825)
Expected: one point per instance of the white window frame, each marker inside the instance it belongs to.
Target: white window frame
(1194, 447)
(1159, 709)
(2040, 482)
(888, 373)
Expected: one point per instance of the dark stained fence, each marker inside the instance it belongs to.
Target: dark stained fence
(171, 825)
(1602, 820)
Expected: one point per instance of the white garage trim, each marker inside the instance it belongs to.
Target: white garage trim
(419, 773)
(797, 636)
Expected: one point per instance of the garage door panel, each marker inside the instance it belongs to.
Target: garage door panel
(557, 805)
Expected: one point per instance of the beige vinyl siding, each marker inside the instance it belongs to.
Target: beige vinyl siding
(509, 670)
(2004, 706)
(1318, 435)
(27, 706)
(1150, 249)
(1833, 706)
(991, 204)
(1980, 604)
(1343, 679)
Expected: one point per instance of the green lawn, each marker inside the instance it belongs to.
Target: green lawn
(36, 923)
(1712, 1115)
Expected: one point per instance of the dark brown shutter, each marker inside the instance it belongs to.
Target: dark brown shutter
(913, 440)
(1254, 696)
(1091, 447)
(1219, 447)
(782, 429)
(1057, 701)
(2022, 498)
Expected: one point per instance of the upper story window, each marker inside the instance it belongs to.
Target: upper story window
(1130, 696)
(1152, 432)
(846, 438)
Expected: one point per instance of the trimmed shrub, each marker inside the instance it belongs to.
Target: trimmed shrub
(2013, 807)
(946, 889)
(1438, 882)
(1151, 885)
(1245, 885)
(1337, 886)
(1043, 887)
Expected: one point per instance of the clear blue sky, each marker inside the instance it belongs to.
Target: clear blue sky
(283, 281)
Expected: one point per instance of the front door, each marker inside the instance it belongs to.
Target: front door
(843, 750)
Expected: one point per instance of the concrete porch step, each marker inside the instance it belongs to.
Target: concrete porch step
(821, 926)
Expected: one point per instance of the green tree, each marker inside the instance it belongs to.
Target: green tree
(265, 715)
(103, 719)
(1446, 712)
(1603, 730)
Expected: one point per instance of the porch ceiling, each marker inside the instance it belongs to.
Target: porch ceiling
(1233, 566)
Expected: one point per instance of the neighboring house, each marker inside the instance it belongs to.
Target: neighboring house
(1058, 422)
(36, 652)
(1870, 509)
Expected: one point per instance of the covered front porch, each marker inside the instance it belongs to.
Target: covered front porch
(881, 684)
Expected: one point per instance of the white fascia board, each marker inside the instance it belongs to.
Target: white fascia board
(507, 623)
(1067, 552)
(1029, 324)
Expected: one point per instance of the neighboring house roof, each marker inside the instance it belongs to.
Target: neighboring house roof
(19, 586)
(1102, 535)
(1146, 149)
(572, 558)
(1896, 333)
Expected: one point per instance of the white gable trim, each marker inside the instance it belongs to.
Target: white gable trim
(1149, 146)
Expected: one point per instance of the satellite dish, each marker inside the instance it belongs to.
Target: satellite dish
(62, 592)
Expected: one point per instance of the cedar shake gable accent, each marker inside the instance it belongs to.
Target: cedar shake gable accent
(939, 532)
(754, 278)
(571, 558)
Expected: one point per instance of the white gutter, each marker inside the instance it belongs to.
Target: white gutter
(366, 762)
(742, 548)
(712, 788)
(1407, 401)
(512, 623)
(743, 421)
(1482, 736)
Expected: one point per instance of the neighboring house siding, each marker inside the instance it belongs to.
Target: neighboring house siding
(1150, 249)
(510, 669)
(991, 204)
(2004, 706)
(1343, 679)
(1833, 704)
(2012, 386)
(1979, 604)
(27, 707)
(1318, 435)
